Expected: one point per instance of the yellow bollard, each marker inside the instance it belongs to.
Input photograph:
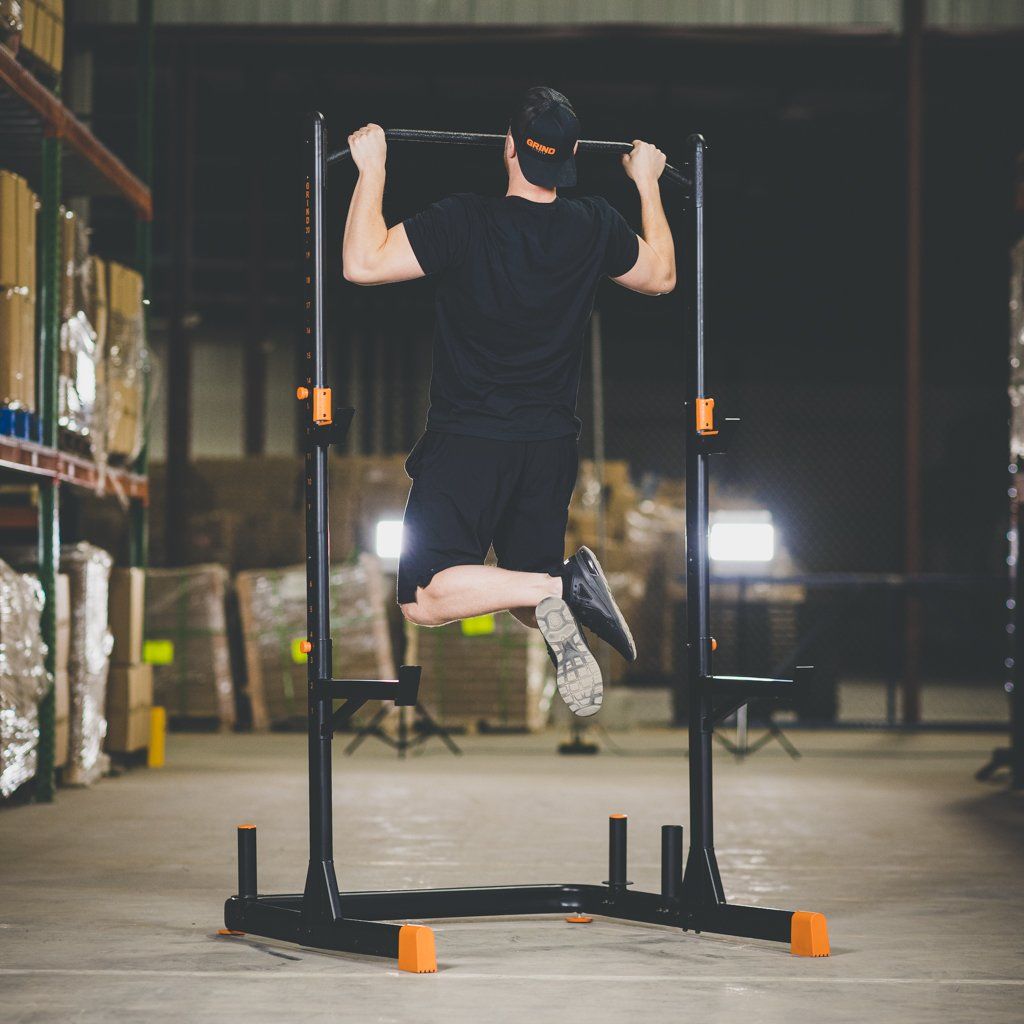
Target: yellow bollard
(157, 738)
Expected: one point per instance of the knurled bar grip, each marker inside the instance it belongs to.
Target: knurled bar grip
(483, 139)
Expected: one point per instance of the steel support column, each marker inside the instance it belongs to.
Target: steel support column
(179, 341)
(913, 23)
(139, 517)
(254, 399)
(49, 492)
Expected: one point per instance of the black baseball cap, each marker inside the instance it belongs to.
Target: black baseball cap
(545, 131)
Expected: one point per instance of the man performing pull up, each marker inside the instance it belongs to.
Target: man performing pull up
(497, 464)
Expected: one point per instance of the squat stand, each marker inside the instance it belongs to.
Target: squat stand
(361, 922)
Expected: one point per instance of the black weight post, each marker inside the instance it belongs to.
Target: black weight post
(358, 922)
(247, 860)
(671, 861)
(617, 881)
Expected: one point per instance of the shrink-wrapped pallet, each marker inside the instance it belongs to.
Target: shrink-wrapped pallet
(272, 607)
(488, 672)
(88, 569)
(81, 398)
(125, 363)
(187, 645)
(617, 495)
(23, 677)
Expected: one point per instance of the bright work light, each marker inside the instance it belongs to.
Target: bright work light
(742, 537)
(389, 539)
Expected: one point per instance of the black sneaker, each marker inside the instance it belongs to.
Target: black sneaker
(588, 595)
(576, 670)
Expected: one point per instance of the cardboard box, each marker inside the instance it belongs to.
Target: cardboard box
(487, 672)
(187, 644)
(17, 350)
(128, 731)
(27, 353)
(62, 692)
(27, 237)
(63, 609)
(127, 614)
(10, 198)
(129, 687)
(44, 36)
(29, 10)
(57, 45)
(10, 347)
(17, 233)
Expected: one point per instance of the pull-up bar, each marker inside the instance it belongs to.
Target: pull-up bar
(670, 173)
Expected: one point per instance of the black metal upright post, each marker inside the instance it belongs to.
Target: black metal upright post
(702, 883)
(321, 892)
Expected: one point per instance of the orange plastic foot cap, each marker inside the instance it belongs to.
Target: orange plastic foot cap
(579, 919)
(808, 934)
(416, 952)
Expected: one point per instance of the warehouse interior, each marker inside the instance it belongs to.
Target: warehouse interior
(165, 760)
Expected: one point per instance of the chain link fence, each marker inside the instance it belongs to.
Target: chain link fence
(819, 470)
(821, 463)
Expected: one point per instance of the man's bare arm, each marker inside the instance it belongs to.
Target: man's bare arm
(372, 253)
(654, 272)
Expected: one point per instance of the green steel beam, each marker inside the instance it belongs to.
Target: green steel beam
(139, 524)
(49, 493)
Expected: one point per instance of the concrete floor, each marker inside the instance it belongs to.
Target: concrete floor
(110, 899)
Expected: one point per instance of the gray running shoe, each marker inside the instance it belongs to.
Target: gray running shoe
(577, 672)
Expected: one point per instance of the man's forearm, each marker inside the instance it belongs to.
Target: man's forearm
(365, 229)
(656, 232)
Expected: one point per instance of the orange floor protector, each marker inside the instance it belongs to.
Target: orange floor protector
(579, 919)
(416, 952)
(808, 934)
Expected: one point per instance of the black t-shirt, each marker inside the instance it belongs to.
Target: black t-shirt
(516, 289)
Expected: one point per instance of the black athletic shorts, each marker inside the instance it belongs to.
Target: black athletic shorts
(471, 492)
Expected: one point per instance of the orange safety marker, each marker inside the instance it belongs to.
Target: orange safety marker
(706, 416)
(808, 934)
(416, 952)
(322, 406)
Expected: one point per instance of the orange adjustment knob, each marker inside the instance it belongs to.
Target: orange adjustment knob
(302, 394)
(305, 647)
(714, 644)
